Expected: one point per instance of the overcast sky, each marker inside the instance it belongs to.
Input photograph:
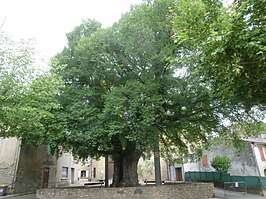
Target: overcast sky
(49, 20)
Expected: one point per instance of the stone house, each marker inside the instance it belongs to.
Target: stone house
(93, 170)
(27, 168)
(250, 161)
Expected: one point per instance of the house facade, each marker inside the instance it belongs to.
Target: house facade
(243, 163)
(27, 168)
(250, 161)
(94, 170)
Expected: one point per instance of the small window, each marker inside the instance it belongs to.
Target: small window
(83, 174)
(204, 160)
(64, 172)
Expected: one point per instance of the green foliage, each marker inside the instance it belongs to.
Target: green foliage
(28, 104)
(221, 163)
(225, 47)
(121, 86)
(121, 89)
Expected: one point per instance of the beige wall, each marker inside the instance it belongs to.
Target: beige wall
(66, 160)
(98, 169)
(84, 166)
(146, 169)
(9, 153)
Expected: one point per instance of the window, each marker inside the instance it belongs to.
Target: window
(83, 174)
(261, 154)
(64, 172)
(204, 160)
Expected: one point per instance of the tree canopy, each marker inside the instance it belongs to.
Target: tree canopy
(227, 46)
(122, 92)
(172, 72)
(27, 99)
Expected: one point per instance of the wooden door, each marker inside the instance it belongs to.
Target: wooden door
(45, 178)
(179, 176)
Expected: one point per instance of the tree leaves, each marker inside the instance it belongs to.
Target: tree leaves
(229, 49)
(121, 87)
(27, 99)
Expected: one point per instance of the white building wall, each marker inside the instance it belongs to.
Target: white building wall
(243, 164)
(260, 161)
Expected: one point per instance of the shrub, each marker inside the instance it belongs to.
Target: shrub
(221, 163)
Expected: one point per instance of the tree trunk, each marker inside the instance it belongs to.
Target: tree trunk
(130, 169)
(118, 169)
(118, 160)
(126, 167)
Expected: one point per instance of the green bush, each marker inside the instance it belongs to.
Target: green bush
(221, 163)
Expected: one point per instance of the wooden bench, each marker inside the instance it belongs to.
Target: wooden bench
(95, 184)
(153, 182)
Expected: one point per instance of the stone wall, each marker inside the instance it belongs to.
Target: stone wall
(29, 171)
(244, 163)
(175, 191)
(9, 154)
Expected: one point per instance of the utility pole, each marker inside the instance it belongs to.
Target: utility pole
(157, 165)
(106, 180)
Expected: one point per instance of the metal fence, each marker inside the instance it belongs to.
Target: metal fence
(252, 182)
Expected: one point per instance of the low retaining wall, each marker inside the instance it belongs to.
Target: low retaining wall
(175, 191)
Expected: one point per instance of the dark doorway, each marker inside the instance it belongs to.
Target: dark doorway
(45, 178)
(178, 172)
